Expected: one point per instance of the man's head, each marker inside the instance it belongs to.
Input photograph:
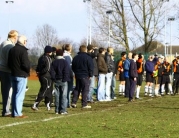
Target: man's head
(48, 50)
(22, 40)
(123, 54)
(110, 50)
(151, 57)
(90, 48)
(67, 47)
(130, 55)
(135, 56)
(83, 48)
(102, 50)
(13, 35)
(59, 52)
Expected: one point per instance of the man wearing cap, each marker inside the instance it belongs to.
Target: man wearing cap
(43, 73)
(60, 75)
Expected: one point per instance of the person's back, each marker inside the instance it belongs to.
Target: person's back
(82, 65)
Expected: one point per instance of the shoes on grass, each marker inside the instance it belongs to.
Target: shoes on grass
(86, 107)
(34, 108)
(73, 106)
(64, 113)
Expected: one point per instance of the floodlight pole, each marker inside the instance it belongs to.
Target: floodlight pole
(10, 2)
(109, 12)
(89, 25)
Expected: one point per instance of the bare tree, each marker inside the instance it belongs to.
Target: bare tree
(45, 35)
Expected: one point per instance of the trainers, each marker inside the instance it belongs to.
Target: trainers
(73, 106)
(34, 108)
(64, 113)
(56, 113)
(145, 94)
(86, 107)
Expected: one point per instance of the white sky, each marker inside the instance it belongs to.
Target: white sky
(68, 17)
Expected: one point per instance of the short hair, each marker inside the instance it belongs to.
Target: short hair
(82, 48)
(67, 47)
(101, 49)
(21, 39)
(140, 55)
(123, 53)
(12, 33)
(133, 55)
(109, 49)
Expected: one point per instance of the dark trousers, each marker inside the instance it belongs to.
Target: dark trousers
(45, 90)
(175, 83)
(132, 88)
(127, 87)
(82, 85)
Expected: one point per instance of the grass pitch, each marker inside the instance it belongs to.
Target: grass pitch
(146, 118)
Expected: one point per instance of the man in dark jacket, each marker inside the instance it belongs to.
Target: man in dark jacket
(92, 52)
(20, 69)
(82, 66)
(43, 72)
(133, 76)
(149, 68)
(110, 66)
(60, 75)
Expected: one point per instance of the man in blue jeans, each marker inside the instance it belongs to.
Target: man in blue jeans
(60, 75)
(20, 69)
(82, 66)
(5, 72)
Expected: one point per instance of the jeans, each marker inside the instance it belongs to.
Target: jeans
(82, 85)
(69, 91)
(19, 86)
(113, 86)
(6, 91)
(108, 85)
(91, 89)
(132, 88)
(61, 96)
(101, 87)
(127, 87)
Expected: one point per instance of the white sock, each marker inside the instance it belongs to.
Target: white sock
(35, 104)
(163, 88)
(120, 88)
(150, 90)
(48, 105)
(123, 88)
(137, 92)
(156, 91)
(170, 87)
(146, 89)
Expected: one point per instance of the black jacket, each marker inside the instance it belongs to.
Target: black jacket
(18, 61)
(82, 65)
(60, 70)
(133, 70)
(94, 57)
(109, 62)
(44, 65)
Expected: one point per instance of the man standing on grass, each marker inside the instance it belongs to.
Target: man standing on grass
(60, 75)
(43, 72)
(5, 72)
(133, 76)
(20, 69)
(82, 66)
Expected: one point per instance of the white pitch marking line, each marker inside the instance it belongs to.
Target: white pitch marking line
(52, 118)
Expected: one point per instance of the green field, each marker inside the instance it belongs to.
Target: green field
(146, 118)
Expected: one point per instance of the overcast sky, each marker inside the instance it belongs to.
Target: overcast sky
(68, 17)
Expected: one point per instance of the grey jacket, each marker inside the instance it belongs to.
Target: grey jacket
(4, 52)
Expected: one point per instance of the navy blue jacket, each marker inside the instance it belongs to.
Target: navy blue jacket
(60, 70)
(149, 66)
(133, 69)
(82, 65)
